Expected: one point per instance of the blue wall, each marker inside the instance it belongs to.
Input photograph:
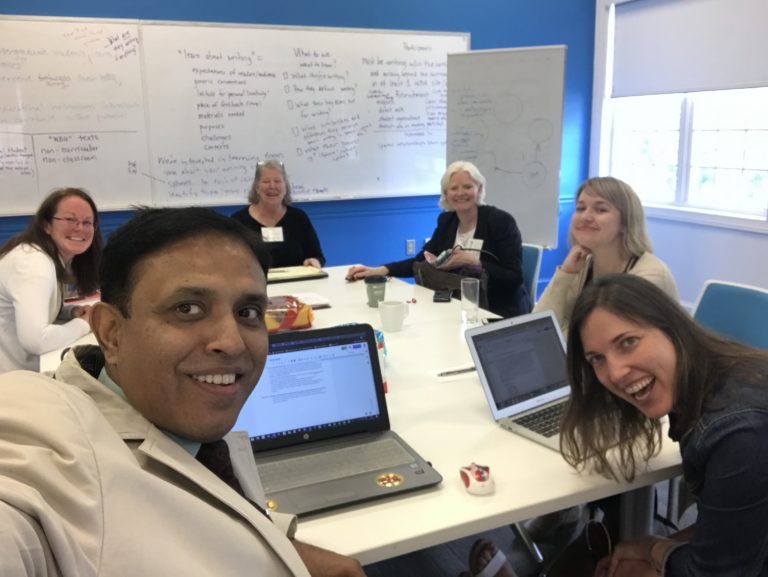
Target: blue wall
(374, 231)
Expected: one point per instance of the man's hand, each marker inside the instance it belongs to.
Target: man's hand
(324, 563)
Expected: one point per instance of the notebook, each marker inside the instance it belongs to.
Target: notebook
(291, 273)
(319, 426)
(521, 365)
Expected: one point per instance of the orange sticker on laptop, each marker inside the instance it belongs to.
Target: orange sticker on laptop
(389, 480)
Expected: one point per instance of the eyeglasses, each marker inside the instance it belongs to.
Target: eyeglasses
(72, 221)
(262, 164)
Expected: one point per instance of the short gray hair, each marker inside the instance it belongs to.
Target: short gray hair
(474, 174)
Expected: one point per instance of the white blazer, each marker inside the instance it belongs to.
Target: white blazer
(89, 487)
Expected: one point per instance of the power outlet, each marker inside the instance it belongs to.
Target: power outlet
(410, 247)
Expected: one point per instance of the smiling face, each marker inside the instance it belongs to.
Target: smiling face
(635, 362)
(271, 186)
(462, 192)
(195, 343)
(596, 222)
(72, 227)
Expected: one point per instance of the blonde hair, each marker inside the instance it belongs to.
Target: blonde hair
(634, 237)
(473, 172)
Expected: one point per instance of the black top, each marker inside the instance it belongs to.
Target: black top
(299, 242)
(501, 257)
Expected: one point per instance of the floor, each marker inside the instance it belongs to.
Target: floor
(450, 559)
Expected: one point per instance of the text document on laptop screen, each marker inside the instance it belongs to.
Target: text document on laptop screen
(521, 361)
(309, 384)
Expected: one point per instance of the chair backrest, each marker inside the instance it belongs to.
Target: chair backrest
(531, 265)
(739, 312)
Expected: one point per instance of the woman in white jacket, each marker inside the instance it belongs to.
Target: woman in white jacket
(61, 245)
(607, 235)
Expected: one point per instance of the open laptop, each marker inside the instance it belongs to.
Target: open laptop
(521, 365)
(319, 425)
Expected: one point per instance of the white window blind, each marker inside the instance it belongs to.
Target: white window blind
(670, 46)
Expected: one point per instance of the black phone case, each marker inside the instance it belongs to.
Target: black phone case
(442, 296)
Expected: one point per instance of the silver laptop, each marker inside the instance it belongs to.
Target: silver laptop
(319, 425)
(521, 365)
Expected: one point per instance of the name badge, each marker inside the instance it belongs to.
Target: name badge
(272, 233)
(475, 245)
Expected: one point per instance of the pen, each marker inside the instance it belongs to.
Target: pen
(456, 372)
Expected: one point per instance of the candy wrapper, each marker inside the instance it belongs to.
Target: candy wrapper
(286, 313)
(381, 346)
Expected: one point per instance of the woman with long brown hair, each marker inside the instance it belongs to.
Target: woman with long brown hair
(634, 357)
(61, 245)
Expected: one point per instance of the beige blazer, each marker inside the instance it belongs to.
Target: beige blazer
(90, 487)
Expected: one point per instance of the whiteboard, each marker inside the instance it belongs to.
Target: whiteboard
(351, 114)
(505, 111)
(71, 113)
(166, 113)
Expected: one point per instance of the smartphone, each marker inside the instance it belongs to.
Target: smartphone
(443, 256)
(442, 296)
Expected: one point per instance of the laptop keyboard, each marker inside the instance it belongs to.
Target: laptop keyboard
(293, 472)
(546, 421)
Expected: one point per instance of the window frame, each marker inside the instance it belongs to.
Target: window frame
(601, 134)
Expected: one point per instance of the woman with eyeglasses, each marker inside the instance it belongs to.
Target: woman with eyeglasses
(634, 357)
(61, 245)
(287, 231)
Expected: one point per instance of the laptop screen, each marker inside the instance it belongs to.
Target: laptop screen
(521, 361)
(316, 384)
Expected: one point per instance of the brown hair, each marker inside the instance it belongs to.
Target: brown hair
(610, 434)
(85, 266)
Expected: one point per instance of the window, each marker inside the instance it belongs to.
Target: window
(679, 109)
(701, 150)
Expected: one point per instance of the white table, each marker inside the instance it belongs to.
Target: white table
(449, 423)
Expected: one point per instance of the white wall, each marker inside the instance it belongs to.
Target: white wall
(696, 253)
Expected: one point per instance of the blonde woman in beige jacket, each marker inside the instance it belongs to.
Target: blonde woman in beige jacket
(607, 235)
